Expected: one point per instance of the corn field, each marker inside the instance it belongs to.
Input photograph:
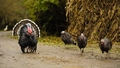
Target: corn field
(95, 18)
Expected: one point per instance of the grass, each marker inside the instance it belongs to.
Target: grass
(56, 41)
(51, 40)
(14, 37)
(48, 40)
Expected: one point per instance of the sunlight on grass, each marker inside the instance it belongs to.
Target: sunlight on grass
(51, 40)
(56, 41)
(14, 37)
(92, 45)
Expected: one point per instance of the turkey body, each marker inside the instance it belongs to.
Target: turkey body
(82, 42)
(105, 45)
(67, 38)
(27, 40)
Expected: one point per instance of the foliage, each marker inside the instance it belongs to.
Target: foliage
(49, 15)
(36, 6)
(11, 11)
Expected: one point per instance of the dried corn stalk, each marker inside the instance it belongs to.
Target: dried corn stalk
(95, 18)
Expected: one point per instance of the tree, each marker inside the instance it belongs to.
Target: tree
(49, 15)
(11, 11)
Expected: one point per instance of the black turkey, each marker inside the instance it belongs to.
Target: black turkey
(27, 39)
(105, 45)
(82, 42)
(67, 38)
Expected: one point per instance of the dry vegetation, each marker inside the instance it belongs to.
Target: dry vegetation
(95, 18)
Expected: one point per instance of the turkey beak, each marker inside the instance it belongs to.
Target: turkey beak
(82, 37)
(102, 42)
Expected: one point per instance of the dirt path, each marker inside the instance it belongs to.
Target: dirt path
(52, 56)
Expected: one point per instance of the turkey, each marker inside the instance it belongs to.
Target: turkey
(67, 38)
(105, 45)
(27, 39)
(82, 42)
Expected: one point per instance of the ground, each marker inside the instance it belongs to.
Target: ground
(54, 56)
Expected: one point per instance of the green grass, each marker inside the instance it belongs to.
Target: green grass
(14, 37)
(56, 41)
(47, 40)
(51, 40)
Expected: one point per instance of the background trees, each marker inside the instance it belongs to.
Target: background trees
(10, 12)
(95, 18)
(49, 15)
